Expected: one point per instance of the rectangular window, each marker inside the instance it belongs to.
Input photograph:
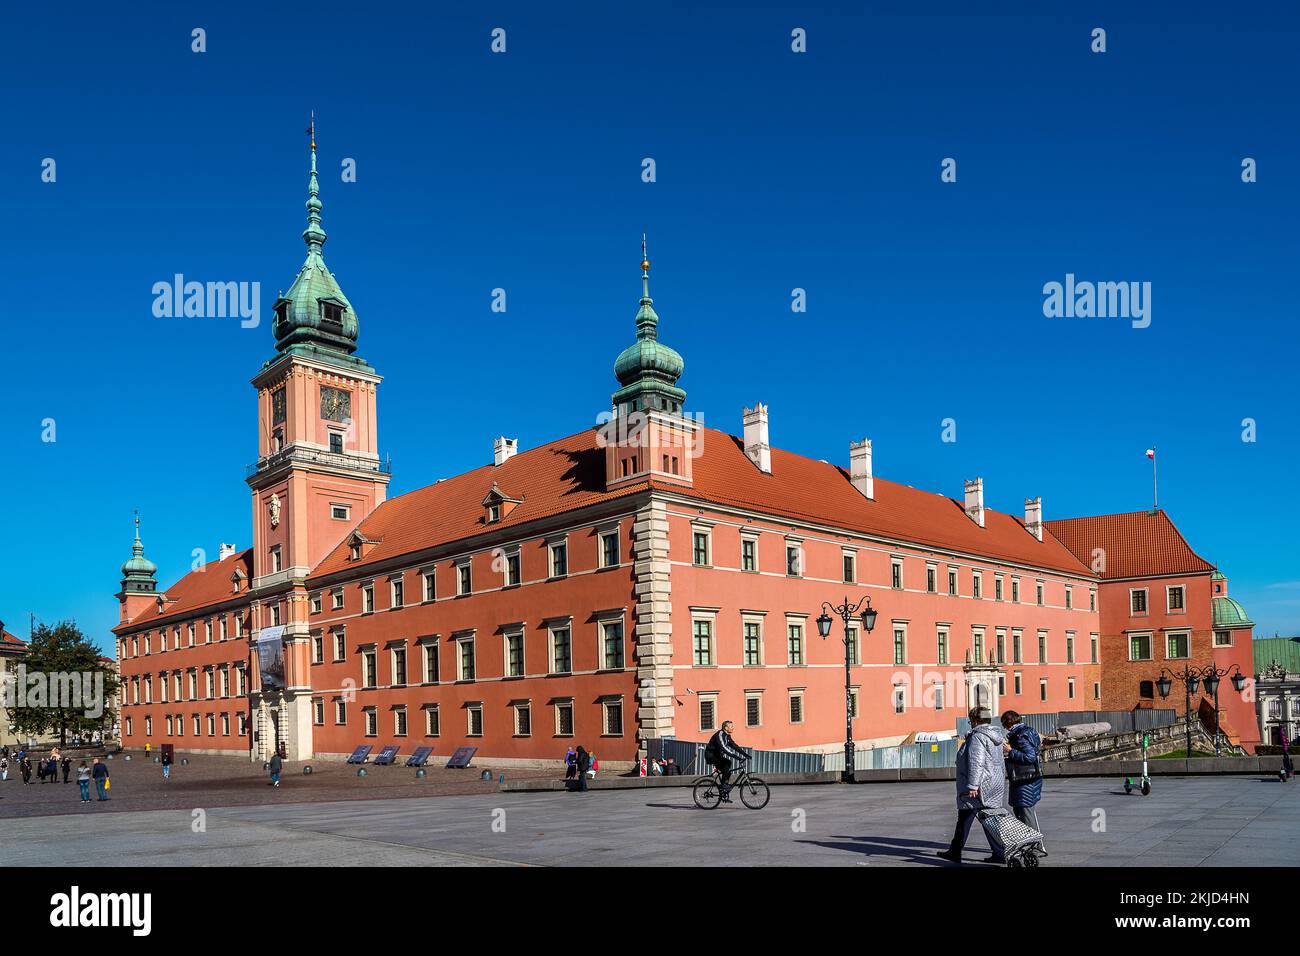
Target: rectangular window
(753, 711)
(1042, 688)
(976, 585)
(369, 669)
(1069, 647)
(398, 592)
(938, 696)
(341, 512)
(340, 645)
(753, 640)
(1177, 646)
(793, 560)
(1069, 688)
(1222, 638)
(748, 554)
(431, 663)
(1092, 599)
(367, 599)
(1001, 649)
(796, 708)
(432, 722)
(463, 582)
(1042, 647)
(559, 560)
(700, 548)
(523, 720)
(561, 651)
(430, 586)
(318, 712)
(372, 721)
(275, 559)
(703, 643)
(315, 609)
(318, 648)
(336, 603)
(1175, 598)
(997, 587)
(1139, 647)
(564, 719)
(931, 579)
(399, 666)
(708, 713)
(1017, 649)
(896, 574)
(513, 573)
(794, 644)
(275, 615)
(1015, 590)
(515, 654)
(609, 550)
(466, 658)
(474, 713)
(1017, 684)
(952, 583)
(1092, 640)
(336, 446)
(1096, 690)
(943, 646)
(850, 569)
(900, 700)
(613, 640)
(1038, 593)
(1069, 597)
(613, 718)
(977, 645)
(900, 645)
(340, 712)
(853, 647)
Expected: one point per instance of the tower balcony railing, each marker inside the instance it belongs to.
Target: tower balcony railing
(312, 456)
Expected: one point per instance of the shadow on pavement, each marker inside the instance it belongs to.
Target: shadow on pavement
(914, 851)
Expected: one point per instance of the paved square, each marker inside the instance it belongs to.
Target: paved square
(1195, 821)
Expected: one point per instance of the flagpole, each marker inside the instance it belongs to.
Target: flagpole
(1155, 488)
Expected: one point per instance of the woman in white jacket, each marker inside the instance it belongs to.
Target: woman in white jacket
(981, 781)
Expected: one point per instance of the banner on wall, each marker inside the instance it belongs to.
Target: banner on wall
(270, 657)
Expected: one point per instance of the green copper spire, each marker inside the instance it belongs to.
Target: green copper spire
(648, 370)
(314, 318)
(138, 571)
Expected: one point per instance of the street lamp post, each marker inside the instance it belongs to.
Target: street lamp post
(1212, 675)
(847, 613)
(1191, 680)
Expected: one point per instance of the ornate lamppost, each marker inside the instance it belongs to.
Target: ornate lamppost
(1211, 674)
(847, 612)
(1191, 680)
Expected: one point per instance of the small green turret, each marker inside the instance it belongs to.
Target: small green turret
(647, 369)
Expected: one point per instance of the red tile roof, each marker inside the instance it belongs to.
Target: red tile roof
(570, 473)
(10, 644)
(1136, 544)
(195, 591)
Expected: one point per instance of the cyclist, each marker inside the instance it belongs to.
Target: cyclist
(722, 753)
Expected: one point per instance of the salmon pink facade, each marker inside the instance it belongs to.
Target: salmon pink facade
(646, 577)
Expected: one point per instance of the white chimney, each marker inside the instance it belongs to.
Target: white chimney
(756, 446)
(224, 551)
(860, 467)
(503, 449)
(975, 501)
(1034, 517)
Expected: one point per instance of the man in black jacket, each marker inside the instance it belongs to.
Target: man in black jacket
(723, 753)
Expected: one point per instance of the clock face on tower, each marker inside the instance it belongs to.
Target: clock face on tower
(335, 404)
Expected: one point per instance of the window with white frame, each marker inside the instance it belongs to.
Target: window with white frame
(896, 573)
(564, 718)
(397, 591)
(561, 649)
(340, 711)
(559, 557)
(700, 547)
(752, 643)
(429, 577)
(613, 717)
(1139, 647)
(977, 645)
(753, 710)
(369, 667)
(796, 706)
(397, 661)
(1222, 638)
(952, 582)
(708, 712)
(399, 721)
(850, 561)
(702, 650)
(514, 641)
(900, 643)
(464, 579)
(794, 643)
(318, 711)
(1069, 647)
(1042, 688)
(318, 648)
(513, 570)
(976, 585)
(794, 559)
(316, 604)
(340, 643)
(336, 600)
(432, 726)
(1174, 598)
(474, 720)
(465, 657)
(748, 554)
(523, 720)
(371, 716)
(942, 640)
(609, 548)
(612, 644)
(367, 599)
(429, 658)
(1177, 645)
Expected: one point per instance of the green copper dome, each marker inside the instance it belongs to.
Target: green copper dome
(647, 369)
(314, 318)
(138, 571)
(1228, 613)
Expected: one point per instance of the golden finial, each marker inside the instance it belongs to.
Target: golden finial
(645, 261)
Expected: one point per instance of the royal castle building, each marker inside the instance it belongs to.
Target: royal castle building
(645, 577)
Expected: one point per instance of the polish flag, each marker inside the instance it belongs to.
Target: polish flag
(1151, 453)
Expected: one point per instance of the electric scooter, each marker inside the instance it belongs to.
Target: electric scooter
(1145, 783)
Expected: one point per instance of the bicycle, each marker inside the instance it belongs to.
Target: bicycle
(754, 793)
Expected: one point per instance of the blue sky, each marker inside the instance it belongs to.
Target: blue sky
(775, 171)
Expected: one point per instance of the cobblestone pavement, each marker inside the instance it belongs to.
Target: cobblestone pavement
(138, 784)
(1194, 821)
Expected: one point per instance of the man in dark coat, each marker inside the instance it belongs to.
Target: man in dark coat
(1022, 750)
(582, 760)
(723, 753)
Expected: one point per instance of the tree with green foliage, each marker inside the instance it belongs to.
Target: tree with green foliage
(63, 684)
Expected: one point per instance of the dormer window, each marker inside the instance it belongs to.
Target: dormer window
(497, 505)
(331, 314)
(355, 553)
(494, 513)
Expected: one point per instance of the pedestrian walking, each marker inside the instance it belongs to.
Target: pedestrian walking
(166, 761)
(1024, 769)
(275, 766)
(83, 782)
(582, 760)
(4, 767)
(570, 764)
(99, 773)
(25, 767)
(67, 768)
(981, 783)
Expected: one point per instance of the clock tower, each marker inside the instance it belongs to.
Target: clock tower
(318, 472)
